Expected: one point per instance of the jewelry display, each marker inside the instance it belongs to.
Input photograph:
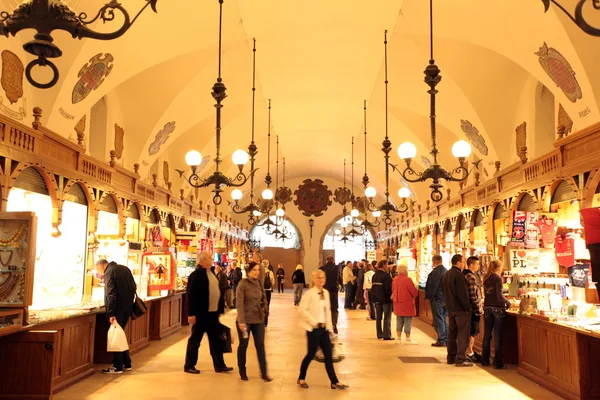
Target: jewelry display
(14, 237)
(9, 284)
(10, 254)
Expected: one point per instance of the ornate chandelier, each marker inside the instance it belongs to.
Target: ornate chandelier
(46, 16)
(370, 191)
(240, 158)
(461, 149)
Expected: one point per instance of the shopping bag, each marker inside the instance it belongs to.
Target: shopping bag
(225, 338)
(338, 353)
(116, 340)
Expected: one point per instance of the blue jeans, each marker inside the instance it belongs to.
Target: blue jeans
(494, 319)
(438, 309)
(403, 322)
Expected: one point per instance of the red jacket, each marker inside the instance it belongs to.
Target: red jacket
(403, 295)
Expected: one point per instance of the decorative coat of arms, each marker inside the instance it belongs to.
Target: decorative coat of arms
(521, 142)
(119, 141)
(283, 195)
(166, 172)
(559, 70)
(161, 137)
(564, 120)
(12, 76)
(342, 195)
(360, 203)
(92, 75)
(312, 197)
(474, 136)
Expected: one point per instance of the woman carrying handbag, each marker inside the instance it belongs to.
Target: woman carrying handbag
(315, 311)
(251, 312)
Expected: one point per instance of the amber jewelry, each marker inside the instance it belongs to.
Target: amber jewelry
(7, 263)
(8, 285)
(14, 238)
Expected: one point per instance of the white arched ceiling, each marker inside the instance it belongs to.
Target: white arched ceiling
(318, 61)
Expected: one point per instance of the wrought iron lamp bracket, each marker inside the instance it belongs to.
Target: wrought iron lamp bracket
(578, 18)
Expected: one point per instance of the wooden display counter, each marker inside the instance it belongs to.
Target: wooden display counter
(424, 308)
(165, 316)
(510, 340)
(559, 358)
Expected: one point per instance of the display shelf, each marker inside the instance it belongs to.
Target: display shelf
(37, 317)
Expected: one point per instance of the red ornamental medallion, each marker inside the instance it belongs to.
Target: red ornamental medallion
(313, 197)
(559, 70)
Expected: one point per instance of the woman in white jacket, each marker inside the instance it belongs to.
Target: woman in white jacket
(315, 311)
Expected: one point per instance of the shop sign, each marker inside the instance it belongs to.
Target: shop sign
(525, 261)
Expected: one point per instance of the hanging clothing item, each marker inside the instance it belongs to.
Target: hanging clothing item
(564, 246)
(591, 225)
(548, 232)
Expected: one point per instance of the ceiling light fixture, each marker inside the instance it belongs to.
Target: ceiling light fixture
(461, 149)
(240, 157)
(252, 208)
(46, 16)
(370, 191)
(578, 18)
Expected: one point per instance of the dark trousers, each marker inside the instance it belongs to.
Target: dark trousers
(359, 297)
(234, 293)
(208, 325)
(268, 296)
(349, 295)
(384, 312)
(258, 333)
(319, 337)
(438, 310)
(279, 285)
(122, 358)
(334, 303)
(459, 331)
(371, 304)
(494, 320)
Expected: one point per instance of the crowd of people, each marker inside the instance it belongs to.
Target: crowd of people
(457, 297)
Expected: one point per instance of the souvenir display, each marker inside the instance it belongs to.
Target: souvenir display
(159, 267)
(17, 258)
(10, 320)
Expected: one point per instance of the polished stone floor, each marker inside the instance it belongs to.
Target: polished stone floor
(371, 368)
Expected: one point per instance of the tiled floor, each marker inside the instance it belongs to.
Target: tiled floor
(371, 368)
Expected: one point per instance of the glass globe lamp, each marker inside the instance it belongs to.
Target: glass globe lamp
(193, 158)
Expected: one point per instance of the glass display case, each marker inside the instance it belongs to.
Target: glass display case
(10, 320)
(58, 313)
(17, 258)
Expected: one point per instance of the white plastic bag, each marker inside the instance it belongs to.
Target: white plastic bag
(116, 340)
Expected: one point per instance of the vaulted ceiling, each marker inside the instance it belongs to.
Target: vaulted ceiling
(318, 61)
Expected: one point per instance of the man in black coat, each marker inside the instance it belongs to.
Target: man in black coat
(331, 284)
(205, 303)
(456, 296)
(119, 294)
(360, 281)
(382, 295)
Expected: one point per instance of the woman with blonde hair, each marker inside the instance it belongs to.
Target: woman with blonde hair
(299, 282)
(404, 293)
(494, 312)
(315, 311)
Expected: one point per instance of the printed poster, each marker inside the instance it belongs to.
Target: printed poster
(525, 261)
(518, 227)
(532, 231)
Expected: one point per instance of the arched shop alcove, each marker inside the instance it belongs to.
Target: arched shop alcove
(354, 248)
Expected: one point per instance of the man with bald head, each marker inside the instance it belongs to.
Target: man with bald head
(205, 304)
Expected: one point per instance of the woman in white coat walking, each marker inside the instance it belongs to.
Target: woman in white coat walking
(315, 311)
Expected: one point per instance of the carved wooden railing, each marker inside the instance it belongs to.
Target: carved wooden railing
(38, 145)
(572, 155)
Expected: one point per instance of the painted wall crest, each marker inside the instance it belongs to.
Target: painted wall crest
(119, 141)
(312, 197)
(559, 70)
(92, 75)
(161, 137)
(476, 139)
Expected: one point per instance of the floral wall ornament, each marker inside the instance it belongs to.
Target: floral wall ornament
(119, 141)
(283, 195)
(565, 123)
(91, 76)
(559, 70)
(313, 197)
(476, 139)
(161, 137)
(360, 203)
(80, 130)
(521, 142)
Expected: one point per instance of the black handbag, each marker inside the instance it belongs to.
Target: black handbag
(139, 308)
(225, 339)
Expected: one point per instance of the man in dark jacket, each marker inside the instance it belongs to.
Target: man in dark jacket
(205, 304)
(235, 278)
(360, 281)
(331, 284)
(119, 294)
(434, 292)
(458, 305)
(382, 295)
